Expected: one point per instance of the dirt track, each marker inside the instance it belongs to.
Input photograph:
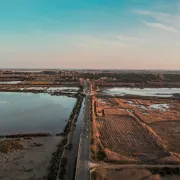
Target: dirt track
(127, 166)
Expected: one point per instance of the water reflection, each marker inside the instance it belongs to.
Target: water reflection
(159, 92)
(28, 112)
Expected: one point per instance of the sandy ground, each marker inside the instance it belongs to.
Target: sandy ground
(138, 174)
(148, 135)
(130, 174)
(32, 162)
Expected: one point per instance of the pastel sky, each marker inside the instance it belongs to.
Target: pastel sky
(118, 34)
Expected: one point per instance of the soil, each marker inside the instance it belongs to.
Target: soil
(31, 162)
(130, 130)
(133, 174)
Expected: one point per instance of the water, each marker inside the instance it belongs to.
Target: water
(65, 89)
(72, 157)
(55, 89)
(161, 107)
(9, 82)
(33, 113)
(159, 92)
(36, 88)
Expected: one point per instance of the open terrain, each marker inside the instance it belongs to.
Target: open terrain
(30, 161)
(135, 173)
(37, 137)
(130, 136)
(136, 130)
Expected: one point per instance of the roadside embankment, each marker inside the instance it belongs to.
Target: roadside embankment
(59, 158)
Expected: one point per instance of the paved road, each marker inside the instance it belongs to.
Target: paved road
(82, 171)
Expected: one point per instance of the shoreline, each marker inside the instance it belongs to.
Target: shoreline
(59, 158)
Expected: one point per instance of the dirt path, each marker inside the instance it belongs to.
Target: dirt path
(130, 166)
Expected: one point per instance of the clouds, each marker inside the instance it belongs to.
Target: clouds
(160, 26)
(161, 20)
(136, 49)
(110, 35)
(159, 16)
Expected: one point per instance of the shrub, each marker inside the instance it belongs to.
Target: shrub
(101, 155)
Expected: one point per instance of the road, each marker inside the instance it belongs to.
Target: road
(82, 171)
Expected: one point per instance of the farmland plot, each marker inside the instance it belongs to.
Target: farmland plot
(170, 133)
(147, 110)
(123, 135)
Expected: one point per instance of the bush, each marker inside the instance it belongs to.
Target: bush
(101, 155)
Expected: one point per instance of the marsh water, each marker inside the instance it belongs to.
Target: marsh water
(9, 82)
(159, 92)
(65, 89)
(72, 159)
(53, 89)
(33, 113)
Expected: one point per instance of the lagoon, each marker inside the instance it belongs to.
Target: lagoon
(33, 113)
(158, 92)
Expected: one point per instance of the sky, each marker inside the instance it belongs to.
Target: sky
(101, 34)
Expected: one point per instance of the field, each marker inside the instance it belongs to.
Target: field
(146, 110)
(170, 133)
(125, 136)
(136, 130)
(135, 173)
